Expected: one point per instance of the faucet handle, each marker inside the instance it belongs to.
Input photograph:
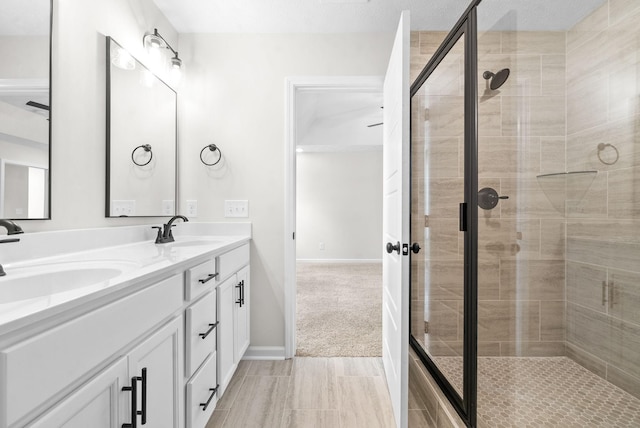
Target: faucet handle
(159, 236)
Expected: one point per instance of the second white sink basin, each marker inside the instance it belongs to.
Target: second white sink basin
(44, 280)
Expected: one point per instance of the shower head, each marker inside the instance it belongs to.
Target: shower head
(496, 79)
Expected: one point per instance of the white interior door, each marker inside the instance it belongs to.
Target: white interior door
(395, 223)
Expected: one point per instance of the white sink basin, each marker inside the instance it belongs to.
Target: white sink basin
(43, 280)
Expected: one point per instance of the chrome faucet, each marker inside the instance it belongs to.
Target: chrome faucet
(165, 235)
(12, 229)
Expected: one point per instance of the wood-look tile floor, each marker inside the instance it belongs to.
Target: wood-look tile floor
(306, 392)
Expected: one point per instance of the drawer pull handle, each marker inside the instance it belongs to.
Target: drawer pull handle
(211, 328)
(213, 393)
(208, 278)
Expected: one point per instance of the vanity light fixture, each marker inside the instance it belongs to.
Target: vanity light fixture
(154, 42)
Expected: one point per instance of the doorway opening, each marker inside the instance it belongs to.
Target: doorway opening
(333, 259)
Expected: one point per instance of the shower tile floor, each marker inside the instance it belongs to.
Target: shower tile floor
(544, 392)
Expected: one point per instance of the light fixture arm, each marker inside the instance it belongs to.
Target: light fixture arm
(167, 45)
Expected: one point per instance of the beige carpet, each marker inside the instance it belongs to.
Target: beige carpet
(339, 310)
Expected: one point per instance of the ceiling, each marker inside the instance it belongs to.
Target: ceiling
(337, 120)
(340, 16)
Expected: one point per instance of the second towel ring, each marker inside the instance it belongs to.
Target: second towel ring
(147, 148)
(213, 148)
(603, 146)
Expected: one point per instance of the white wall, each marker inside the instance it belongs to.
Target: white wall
(339, 203)
(233, 96)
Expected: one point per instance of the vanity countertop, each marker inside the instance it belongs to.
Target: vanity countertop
(35, 289)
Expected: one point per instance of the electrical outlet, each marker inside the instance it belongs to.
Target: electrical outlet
(123, 208)
(192, 208)
(321, 246)
(168, 207)
(239, 208)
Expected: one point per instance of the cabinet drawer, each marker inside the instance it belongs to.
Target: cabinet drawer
(199, 392)
(229, 263)
(194, 285)
(201, 320)
(75, 347)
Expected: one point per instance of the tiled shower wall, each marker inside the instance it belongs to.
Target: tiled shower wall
(603, 230)
(521, 241)
(555, 277)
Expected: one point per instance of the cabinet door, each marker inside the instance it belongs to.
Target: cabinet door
(158, 360)
(242, 321)
(99, 403)
(225, 350)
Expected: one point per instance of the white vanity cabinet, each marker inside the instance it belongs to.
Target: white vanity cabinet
(151, 371)
(233, 312)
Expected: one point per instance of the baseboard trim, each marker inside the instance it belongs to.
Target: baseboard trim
(264, 353)
(339, 260)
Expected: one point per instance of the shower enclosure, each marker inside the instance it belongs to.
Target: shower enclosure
(525, 160)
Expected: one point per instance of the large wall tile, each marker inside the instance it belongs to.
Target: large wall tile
(527, 198)
(446, 116)
(552, 316)
(430, 41)
(587, 101)
(442, 157)
(586, 360)
(624, 380)
(532, 280)
(533, 42)
(552, 155)
(584, 285)
(443, 319)
(584, 199)
(588, 28)
(442, 242)
(533, 116)
(625, 295)
(552, 239)
(624, 193)
(590, 330)
(508, 239)
(524, 77)
(621, 10)
(617, 254)
(624, 134)
(508, 156)
(490, 116)
(553, 77)
(625, 346)
(508, 321)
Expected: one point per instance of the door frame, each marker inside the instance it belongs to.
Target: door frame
(292, 86)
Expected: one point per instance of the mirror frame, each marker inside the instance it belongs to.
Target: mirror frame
(50, 79)
(109, 41)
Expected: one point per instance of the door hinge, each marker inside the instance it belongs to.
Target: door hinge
(405, 249)
(294, 235)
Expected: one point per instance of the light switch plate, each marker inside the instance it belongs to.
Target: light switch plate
(237, 208)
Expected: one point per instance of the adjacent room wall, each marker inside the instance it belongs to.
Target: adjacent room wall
(339, 204)
(233, 96)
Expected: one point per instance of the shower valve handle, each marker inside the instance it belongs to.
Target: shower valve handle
(488, 198)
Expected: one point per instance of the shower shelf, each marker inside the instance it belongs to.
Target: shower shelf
(560, 187)
(564, 174)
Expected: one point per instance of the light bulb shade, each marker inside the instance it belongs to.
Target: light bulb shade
(176, 63)
(153, 41)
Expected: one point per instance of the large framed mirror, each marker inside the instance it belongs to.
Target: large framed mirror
(25, 114)
(141, 139)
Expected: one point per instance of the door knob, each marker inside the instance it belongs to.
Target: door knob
(391, 248)
(488, 198)
(415, 248)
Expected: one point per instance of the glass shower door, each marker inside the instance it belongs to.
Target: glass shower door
(437, 190)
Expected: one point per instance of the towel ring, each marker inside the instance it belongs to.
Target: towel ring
(213, 148)
(147, 148)
(601, 148)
